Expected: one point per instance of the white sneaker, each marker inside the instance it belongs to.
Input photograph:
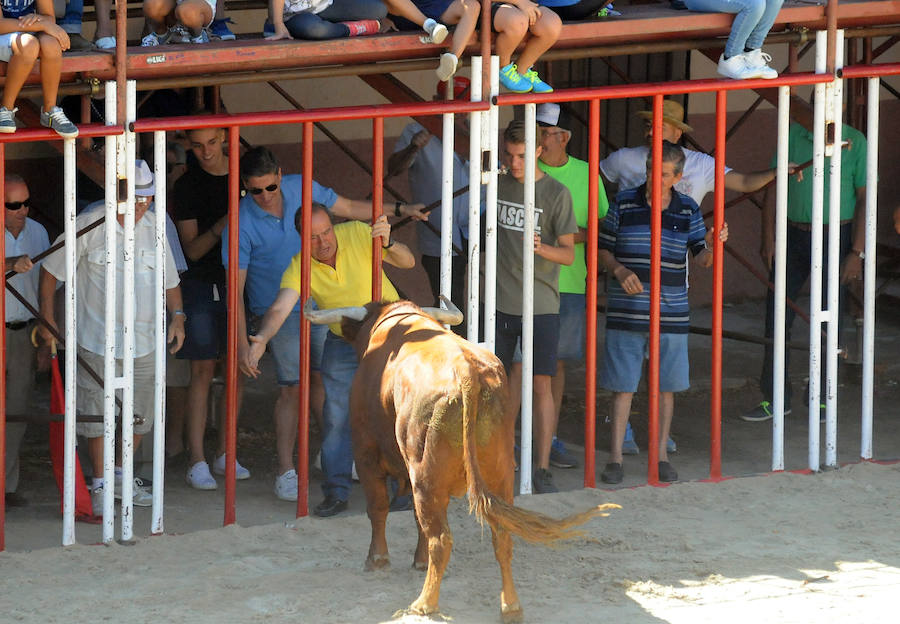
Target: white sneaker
(150, 40)
(758, 61)
(239, 471)
(437, 32)
(286, 485)
(736, 68)
(97, 501)
(447, 67)
(141, 496)
(199, 478)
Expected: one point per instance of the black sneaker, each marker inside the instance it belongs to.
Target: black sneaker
(761, 412)
(667, 474)
(331, 506)
(612, 473)
(543, 482)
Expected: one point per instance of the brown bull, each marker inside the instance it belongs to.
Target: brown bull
(430, 409)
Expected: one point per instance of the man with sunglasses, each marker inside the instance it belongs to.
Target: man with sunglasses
(25, 238)
(267, 243)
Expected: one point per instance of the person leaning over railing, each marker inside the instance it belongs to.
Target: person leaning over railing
(28, 31)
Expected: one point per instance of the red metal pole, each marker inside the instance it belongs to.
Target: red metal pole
(655, 282)
(831, 11)
(3, 355)
(715, 407)
(590, 353)
(305, 264)
(231, 367)
(377, 192)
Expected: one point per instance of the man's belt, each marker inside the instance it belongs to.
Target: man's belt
(807, 227)
(17, 325)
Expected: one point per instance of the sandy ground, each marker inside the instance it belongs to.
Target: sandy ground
(784, 547)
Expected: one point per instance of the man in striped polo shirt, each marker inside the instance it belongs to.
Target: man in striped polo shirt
(625, 251)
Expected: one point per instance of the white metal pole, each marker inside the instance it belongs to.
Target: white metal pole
(446, 271)
(528, 302)
(69, 174)
(815, 278)
(115, 146)
(159, 378)
(474, 251)
(834, 262)
(868, 363)
(491, 143)
(128, 303)
(781, 190)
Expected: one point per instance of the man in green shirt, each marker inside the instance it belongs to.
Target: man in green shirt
(797, 261)
(556, 131)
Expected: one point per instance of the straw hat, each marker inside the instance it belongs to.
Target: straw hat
(673, 113)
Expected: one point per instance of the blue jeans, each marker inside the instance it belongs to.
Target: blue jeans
(752, 23)
(71, 21)
(327, 24)
(339, 364)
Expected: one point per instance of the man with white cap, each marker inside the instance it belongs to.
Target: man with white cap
(91, 274)
(627, 168)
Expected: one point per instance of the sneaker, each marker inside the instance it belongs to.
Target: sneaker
(671, 447)
(150, 40)
(761, 412)
(199, 478)
(629, 446)
(331, 506)
(667, 474)
(513, 81)
(363, 27)
(7, 120)
(543, 482)
(203, 37)
(736, 67)
(78, 42)
(560, 456)
(759, 62)
(56, 119)
(286, 486)
(141, 496)
(612, 473)
(239, 471)
(107, 43)
(97, 501)
(219, 30)
(437, 32)
(537, 85)
(447, 66)
(177, 34)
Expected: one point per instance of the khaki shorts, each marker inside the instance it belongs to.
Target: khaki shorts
(89, 396)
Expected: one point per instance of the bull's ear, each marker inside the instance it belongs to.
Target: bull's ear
(333, 315)
(450, 316)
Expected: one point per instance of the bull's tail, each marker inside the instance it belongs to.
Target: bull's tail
(529, 525)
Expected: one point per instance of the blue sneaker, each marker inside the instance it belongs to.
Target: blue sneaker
(537, 85)
(219, 30)
(629, 446)
(560, 456)
(513, 81)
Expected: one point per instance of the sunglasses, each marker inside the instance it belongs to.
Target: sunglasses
(269, 189)
(17, 205)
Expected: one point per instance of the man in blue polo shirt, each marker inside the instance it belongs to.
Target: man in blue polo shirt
(267, 242)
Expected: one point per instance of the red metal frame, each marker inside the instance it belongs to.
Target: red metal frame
(377, 193)
(715, 408)
(590, 379)
(305, 337)
(231, 366)
(3, 353)
(655, 282)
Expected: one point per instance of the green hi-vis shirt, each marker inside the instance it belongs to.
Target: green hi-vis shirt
(574, 175)
(853, 173)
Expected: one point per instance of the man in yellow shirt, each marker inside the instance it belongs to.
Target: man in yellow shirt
(340, 276)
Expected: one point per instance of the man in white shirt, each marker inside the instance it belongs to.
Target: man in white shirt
(25, 238)
(90, 335)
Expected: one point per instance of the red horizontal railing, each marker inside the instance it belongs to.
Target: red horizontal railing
(28, 135)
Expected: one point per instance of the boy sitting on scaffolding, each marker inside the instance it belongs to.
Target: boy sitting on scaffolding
(169, 16)
(28, 31)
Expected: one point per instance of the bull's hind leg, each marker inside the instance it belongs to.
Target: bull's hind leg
(510, 609)
(431, 509)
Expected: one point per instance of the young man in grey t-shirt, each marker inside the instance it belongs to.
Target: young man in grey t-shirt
(554, 245)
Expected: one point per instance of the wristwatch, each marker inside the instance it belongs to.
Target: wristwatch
(861, 254)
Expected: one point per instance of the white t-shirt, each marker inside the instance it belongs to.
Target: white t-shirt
(32, 240)
(627, 167)
(292, 7)
(90, 270)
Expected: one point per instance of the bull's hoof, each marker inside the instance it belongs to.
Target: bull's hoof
(512, 613)
(421, 566)
(378, 562)
(419, 607)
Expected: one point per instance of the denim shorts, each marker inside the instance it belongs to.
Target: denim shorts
(285, 348)
(546, 341)
(206, 328)
(623, 359)
(6, 45)
(572, 326)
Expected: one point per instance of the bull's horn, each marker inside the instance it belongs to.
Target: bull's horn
(450, 316)
(333, 315)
